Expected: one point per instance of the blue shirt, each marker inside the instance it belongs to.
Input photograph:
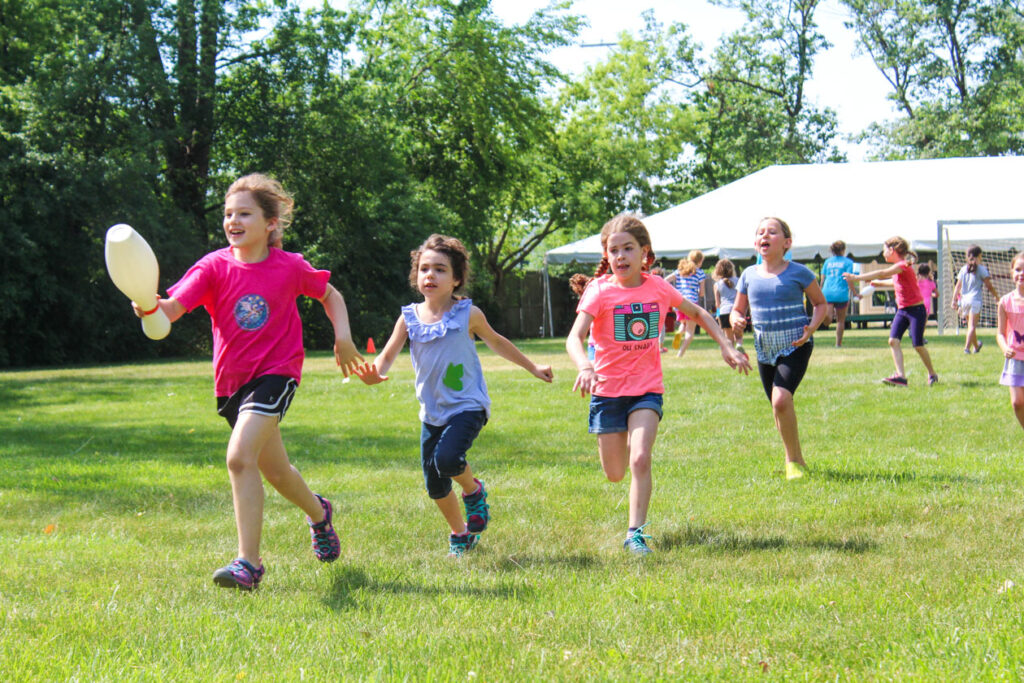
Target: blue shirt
(449, 379)
(834, 286)
(776, 309)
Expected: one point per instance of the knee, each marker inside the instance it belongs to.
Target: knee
(276, 475)
(894, 343)
(640, 463)
(239, 461)
(615, 476)
(1017, 401)
(782, 403)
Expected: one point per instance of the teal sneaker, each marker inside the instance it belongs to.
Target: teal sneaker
(478, 512)
(636, 541)
(460, 544)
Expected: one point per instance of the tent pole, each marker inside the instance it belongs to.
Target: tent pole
(546, 317)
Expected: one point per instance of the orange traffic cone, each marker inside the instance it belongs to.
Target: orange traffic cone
(370, 348)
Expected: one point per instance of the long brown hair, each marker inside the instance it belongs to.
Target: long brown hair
(624, 222)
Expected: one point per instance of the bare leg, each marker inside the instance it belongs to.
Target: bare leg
(1017, 401)
(643, 428)
(785, 421)
(897, 356)
(450, 505)
(840, 324)
(971, 343)
(926, 357)
(690, 325)
(282, 475)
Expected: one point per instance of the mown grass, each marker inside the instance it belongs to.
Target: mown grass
(900, 558)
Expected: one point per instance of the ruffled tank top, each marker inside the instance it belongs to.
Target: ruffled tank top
(449, 379)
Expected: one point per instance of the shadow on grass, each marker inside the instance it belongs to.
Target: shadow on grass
(890, 477)
(350, 580)
(575, 561)
(728, 541)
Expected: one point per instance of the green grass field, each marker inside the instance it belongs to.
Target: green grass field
(899, 559)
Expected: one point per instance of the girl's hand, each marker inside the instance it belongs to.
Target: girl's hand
(737, 322)
(586, 380)
(803, 338)
(543, 372)
(369, 373)
(1008, 352)
(736, 360)
(347, 356)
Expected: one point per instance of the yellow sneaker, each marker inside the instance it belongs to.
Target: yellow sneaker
(795, 471)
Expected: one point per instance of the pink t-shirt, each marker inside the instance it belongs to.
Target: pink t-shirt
(905, 285)
(256, 325)
(627, 321)
(1014, 332)
(927, 288)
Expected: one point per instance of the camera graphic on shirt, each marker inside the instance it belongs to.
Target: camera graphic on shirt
(634, 322)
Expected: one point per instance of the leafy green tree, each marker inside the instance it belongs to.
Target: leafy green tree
(956, 74)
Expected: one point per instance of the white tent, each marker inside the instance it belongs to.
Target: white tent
(861, 203)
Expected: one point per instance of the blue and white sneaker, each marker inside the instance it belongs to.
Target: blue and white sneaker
(460, 544)
(636, 541)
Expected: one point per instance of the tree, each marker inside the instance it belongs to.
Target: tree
(955, 67)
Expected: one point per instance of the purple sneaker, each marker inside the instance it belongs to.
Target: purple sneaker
(326, 545)
(478, 512)
(239, 574)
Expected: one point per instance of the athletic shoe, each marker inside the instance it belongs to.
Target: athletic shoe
(795, 471)
(980, 344)
(932, 379)
(239, 574)
(478, 512)
(967, 351)
(636, 541)
(326, 545)
(896, 381)
(460, 544)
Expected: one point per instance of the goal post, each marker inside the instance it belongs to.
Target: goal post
(1000, 240)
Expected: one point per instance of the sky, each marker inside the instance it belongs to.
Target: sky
(843, 80)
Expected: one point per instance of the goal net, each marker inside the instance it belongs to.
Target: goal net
(1000, 241)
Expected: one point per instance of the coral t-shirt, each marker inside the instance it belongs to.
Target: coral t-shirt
(256, 325)
(927, 287)
(627, 322)
(905, 285)
(1014, 332)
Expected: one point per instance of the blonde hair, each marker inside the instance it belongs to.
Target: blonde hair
(686, 267)
(272, 199)
(697, 256)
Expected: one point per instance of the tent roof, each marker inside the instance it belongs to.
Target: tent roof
(861, 203)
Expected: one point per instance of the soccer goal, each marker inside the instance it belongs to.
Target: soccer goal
(1000, 240)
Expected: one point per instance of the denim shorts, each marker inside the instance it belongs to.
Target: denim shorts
(610, 414)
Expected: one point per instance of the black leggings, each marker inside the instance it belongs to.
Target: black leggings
(788, 371)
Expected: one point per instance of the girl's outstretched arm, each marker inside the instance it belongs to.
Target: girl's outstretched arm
(873, 275)
(479, 326)
(376, 372)
(731, 356)
(576, 346)
(172, 308)
(346, 355)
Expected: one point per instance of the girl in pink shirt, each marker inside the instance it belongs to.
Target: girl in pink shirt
(910, 312)
(249, 289)
(624, 312)
(1010, 337)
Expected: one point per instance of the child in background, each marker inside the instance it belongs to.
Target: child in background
(450, 386)
(624, 311)
(910, 312)
(774, 290)
(968, 295)
(725, 297)
(249, 289)
(838, 292)
(1010, 337)
(688, 279)
(927, 286)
